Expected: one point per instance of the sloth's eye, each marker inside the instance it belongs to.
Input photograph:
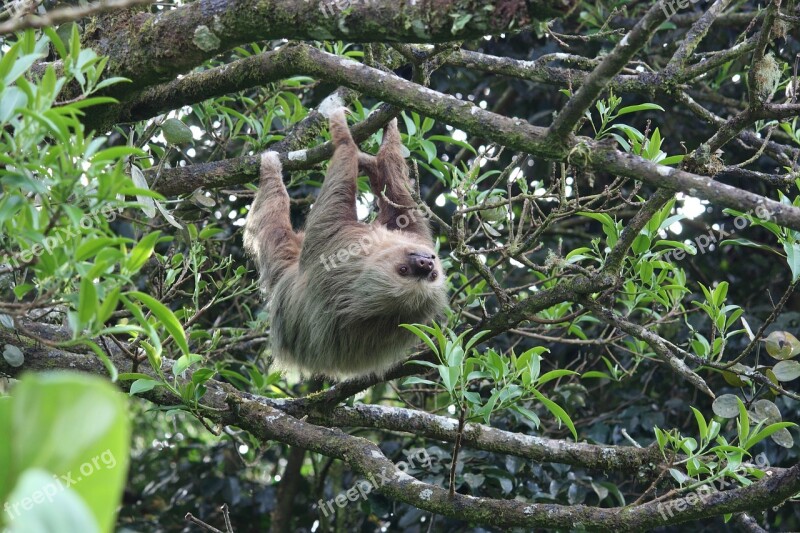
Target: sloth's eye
(403, 270)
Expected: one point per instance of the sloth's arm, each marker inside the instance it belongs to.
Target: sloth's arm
(268, 234)
(335, 208)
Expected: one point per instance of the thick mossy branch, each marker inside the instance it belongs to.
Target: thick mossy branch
(148, 48)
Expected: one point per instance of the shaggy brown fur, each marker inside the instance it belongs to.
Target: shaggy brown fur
(340, 290)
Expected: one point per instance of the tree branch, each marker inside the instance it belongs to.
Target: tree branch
(481, 437)
(157, 47)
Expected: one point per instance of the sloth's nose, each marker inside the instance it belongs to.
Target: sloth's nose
(421, 264)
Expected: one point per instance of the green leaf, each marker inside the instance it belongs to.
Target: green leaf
(21, 65)
(118, 152)
(720, 293)
(12, 99)
(688, 445)
(87, 302)
(429, 148)
(209, 232)
(142, 252)
(743, 423)
(449, 140)
(557, 411)
(111, 81)
(60, 505)
(661, 438)
(95, 100)
(143, 385)
(603, 218)
(767, 432)
(460, 21)
(632, 133)
(184, 362)
(581, 252)
(596, 374)
(475, 339)
(787, 370)
(688, 248)
(554, 374)
(56, 40)
(422, 335)
(417, 381)
(527, 413)
(202, 375)
(672, 160)
(411, 128)
(8, 57)
(90, 247)
(422, 363)
(639, 107)
(48, 410)
(167, 318)
(153, 355)
(625, 144)
(701, 423)
(792, 250)
(609, 225)
(726, 406)
(101, 354)
(108, 306)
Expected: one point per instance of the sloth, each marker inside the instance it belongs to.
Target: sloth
(340, 289)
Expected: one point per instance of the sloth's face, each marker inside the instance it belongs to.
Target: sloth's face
(401, 268)
(409, 267)
(402, 278)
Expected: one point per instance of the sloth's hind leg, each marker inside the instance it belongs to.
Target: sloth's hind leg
(388, 176)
